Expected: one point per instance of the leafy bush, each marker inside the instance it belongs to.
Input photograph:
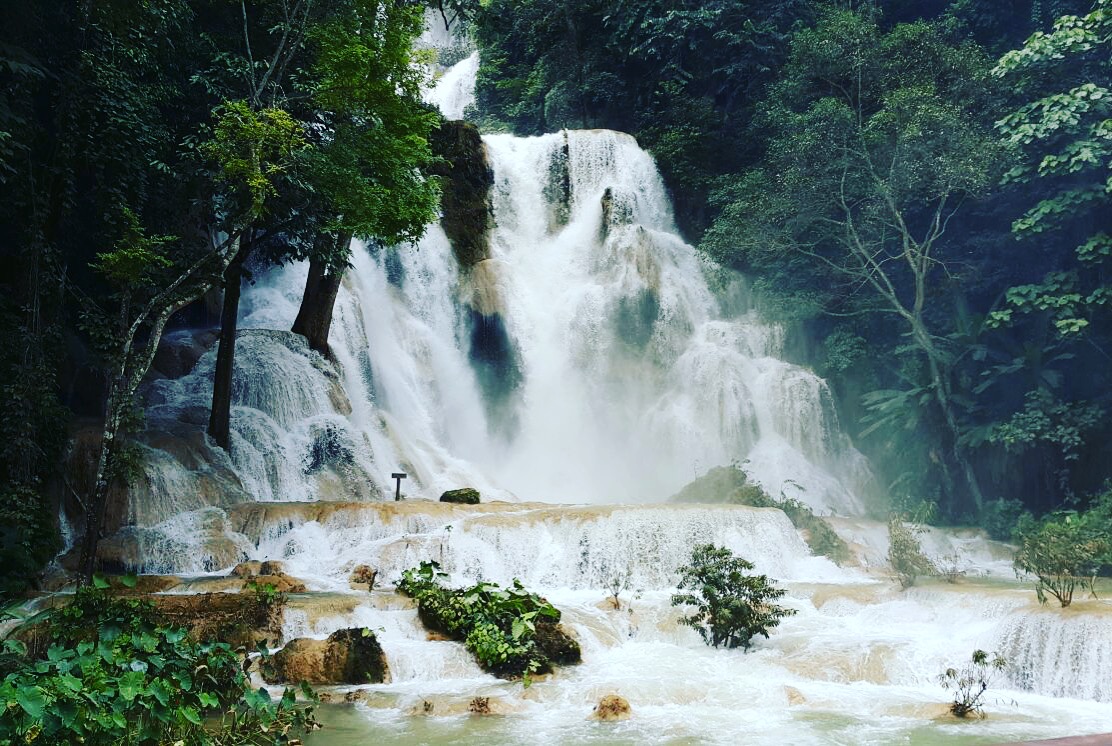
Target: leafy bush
(115, 675)
(729, 484)
(905, 554)
(731, 606)
(971, 682)
(498, 625)
(1063, 551)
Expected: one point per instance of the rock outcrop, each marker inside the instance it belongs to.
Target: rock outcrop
(363, 575)
(348, 656)
(611, 707)
(464, 495)
(465, 201)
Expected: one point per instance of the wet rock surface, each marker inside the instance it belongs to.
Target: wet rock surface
(347, 656)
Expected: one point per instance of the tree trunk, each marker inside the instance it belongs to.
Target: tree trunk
(314, 318)
(128, 372)
(220, 418)
(942, 396)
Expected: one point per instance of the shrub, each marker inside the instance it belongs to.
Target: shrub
(1063, 551)
(905, 554)
(498, 625)
(115, 675)
(731, 606)
(971, 682)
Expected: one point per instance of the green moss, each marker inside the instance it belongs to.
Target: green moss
(464, 495)
(730, 485)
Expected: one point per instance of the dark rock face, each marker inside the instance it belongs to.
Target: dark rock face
(465, 495)
(465, 201)
(557, 645)
(348, 656)
(178, 352)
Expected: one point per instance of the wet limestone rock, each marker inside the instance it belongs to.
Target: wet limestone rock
(248, 569)
(610, 708)
(557, 644)
(235, 618)
(267, 573)
(465, 202)
(348, 656)
(363, 575)
(464, 496)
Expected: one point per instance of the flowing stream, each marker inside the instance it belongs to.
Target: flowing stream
(584, 372)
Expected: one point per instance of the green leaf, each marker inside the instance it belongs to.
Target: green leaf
(190, 714)
(32, 700)
(131, 685)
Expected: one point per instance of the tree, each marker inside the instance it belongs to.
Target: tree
(731, 606)
(248, 149)
(1062, 138)
(1063, 551)
(370, 170)
(971, 682)
(905, 553)
(877, 141)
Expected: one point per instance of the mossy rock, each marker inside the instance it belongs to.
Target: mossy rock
(465, 496)
(557, 645)
(348, 656)
(466, 179)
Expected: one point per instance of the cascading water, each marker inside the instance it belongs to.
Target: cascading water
(587, 360)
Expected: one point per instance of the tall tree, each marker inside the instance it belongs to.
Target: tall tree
(877, 139)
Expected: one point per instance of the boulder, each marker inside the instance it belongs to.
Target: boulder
(557, 645)
(179, 351)
(363, 575)
(248, 569)
(610, 708)
(348, 656)
(464, 495)
(280, 581)
(272, 567)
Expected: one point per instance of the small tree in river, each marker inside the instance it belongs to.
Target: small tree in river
(905, 554)
(1063, 551)
(971, 682)
(731, 606)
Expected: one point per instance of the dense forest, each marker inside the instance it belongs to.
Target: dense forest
(920, 191)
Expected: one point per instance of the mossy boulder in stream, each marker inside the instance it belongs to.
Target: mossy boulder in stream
(464, 495)
(511, 632)
(348, 656)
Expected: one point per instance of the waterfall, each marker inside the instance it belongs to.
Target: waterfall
(583, 372)
(588, 359)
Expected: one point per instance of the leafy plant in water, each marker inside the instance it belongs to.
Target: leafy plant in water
(970, 682)
(905, 554)
(731, 606)
(498, 625)
(115, 675)
(1063, 551)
